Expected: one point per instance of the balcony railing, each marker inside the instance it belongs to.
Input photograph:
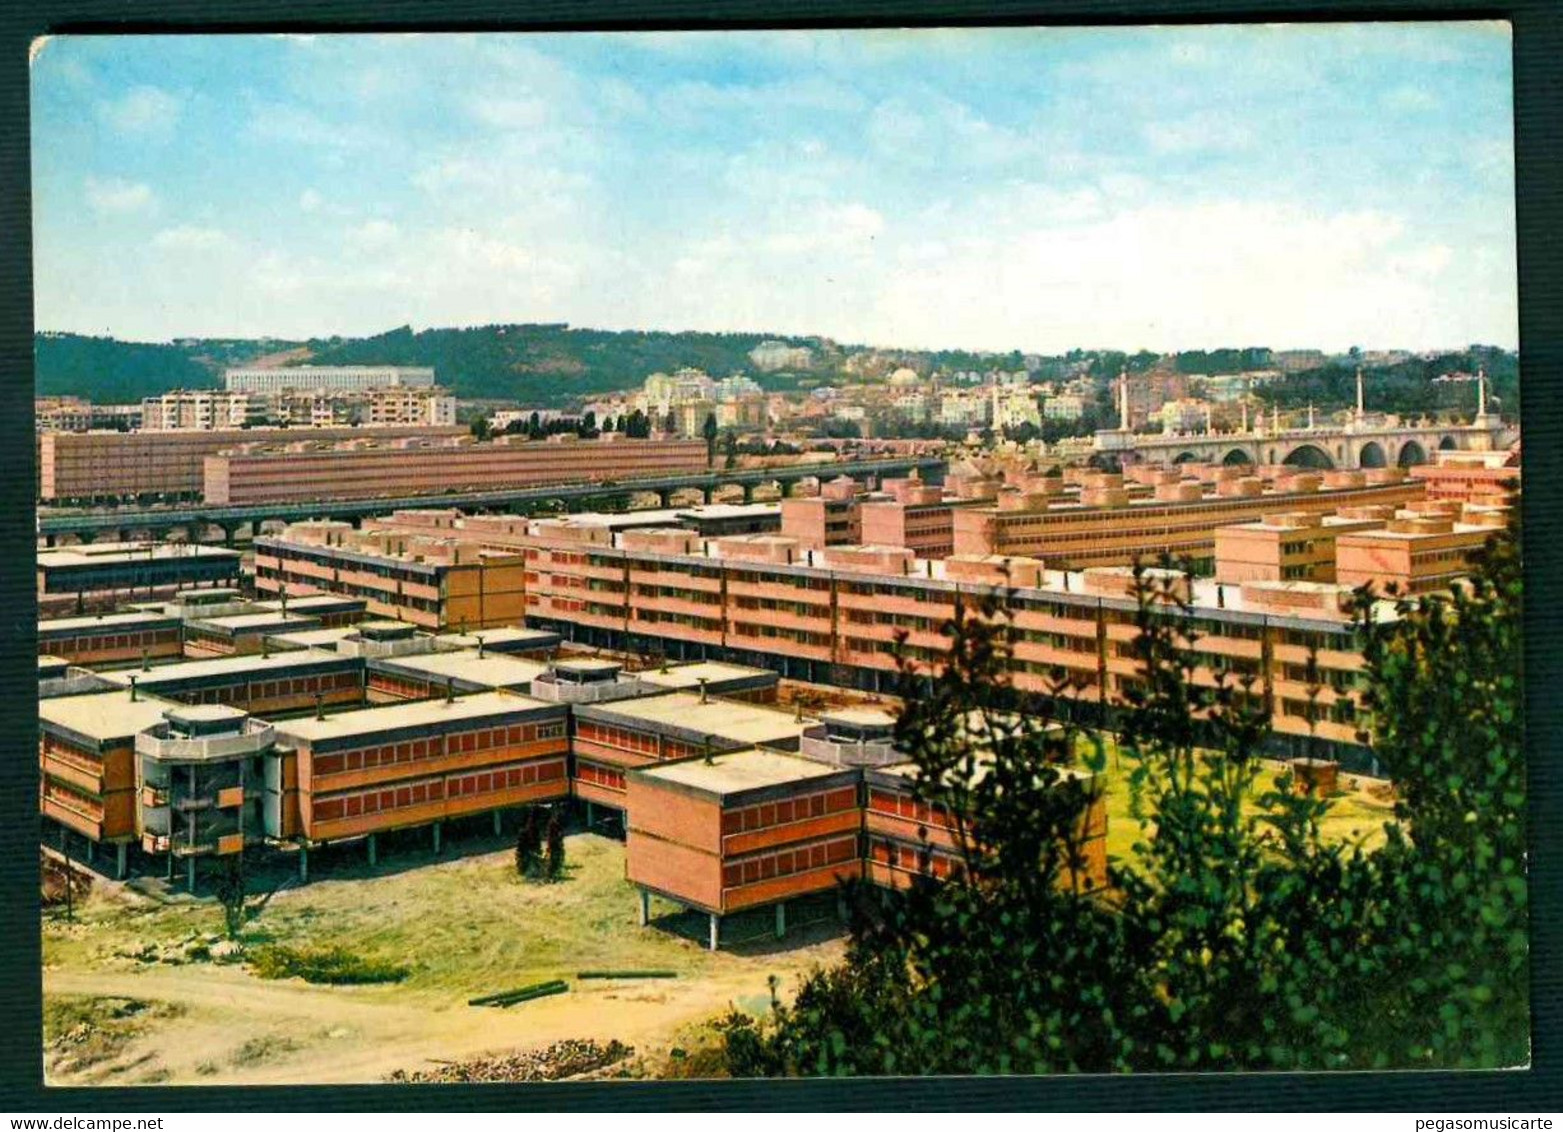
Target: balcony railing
(255, 737)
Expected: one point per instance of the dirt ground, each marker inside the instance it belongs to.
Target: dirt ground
(464, 926)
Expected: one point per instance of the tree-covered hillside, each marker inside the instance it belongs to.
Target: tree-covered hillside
(538, 364)
(544, 363)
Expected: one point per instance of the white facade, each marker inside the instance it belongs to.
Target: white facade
(262, 380)
(1064, 407)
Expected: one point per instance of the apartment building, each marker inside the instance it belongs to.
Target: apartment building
(86, 762)
(115, 466)
(415, 764)
(366, 469)
(1290, 545)
(1471, 477)
(126, 567)
(1418, 551)
(261, 379)
(1111, 522)
(436, 583)
(111, 638)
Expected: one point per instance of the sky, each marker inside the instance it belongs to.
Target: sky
(1020, 188)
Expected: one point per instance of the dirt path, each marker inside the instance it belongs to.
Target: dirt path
(240, 1029)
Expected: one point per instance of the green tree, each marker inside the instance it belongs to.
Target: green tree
(1237, 935)
(529, 845)
(554, 866)
(709, 431)
(480, 428)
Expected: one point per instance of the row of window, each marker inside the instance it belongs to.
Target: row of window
(605, 777)
(92, 639)
(766, 814)
(246, 690)
(789, 862)
(383, 799)
(391, 754)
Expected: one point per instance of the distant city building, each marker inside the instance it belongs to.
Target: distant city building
(736, 386)
(75, 414)
(1064, 407)
(1013, 407)
(257, 379)
(197, 409)
(771, 357)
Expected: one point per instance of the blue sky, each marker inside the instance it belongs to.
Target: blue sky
(1040, 189)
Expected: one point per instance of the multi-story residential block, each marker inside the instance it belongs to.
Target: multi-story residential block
(123, 568)
(415, 764)
(106, 466)
(203, 409)
(366, 470)
(1289, 546)
(437, 583)
(1417, 551)
(1471, 477)
(1112, 523)
(87, 763)
(254, 379)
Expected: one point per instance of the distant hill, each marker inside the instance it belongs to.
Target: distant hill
(534, 363)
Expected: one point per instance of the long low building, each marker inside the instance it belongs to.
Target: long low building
(851, 615)
(127, 568)
(378, 769)
(296, 472)
(88, 467)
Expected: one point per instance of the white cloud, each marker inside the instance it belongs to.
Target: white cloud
(310, 201)
(111, 196)
(144, 110)
(1205, 132)
(932, 130)
(372, 235)
(191, 237)
(509, 113)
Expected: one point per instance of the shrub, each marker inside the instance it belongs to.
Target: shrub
(334, 965)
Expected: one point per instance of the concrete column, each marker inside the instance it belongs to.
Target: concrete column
(190, 873)
(303, 865)
(169, 856)
(119, 861)
(588, 817)
(781, 920)
(645, 907)
(89, 850)
(436, 837)
(497, 830)
(373, 847)
(716, 930)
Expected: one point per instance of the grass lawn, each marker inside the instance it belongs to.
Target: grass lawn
(1353, 814)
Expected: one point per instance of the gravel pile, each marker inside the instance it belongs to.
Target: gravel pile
(552, 1063)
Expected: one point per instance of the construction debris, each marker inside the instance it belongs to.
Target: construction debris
(569, 1058)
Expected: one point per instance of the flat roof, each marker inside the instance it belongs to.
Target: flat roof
(241, 621)
(683, 713)
(91, 554)
(735, 772)
(316, 601)
(226, 665)
(421, 713)
(712, 671)
(107, 621)
(493, 670)
(504, 635)
(316, 638)
(102, 716)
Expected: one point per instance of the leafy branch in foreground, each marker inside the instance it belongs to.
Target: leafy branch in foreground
(1236, 936)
